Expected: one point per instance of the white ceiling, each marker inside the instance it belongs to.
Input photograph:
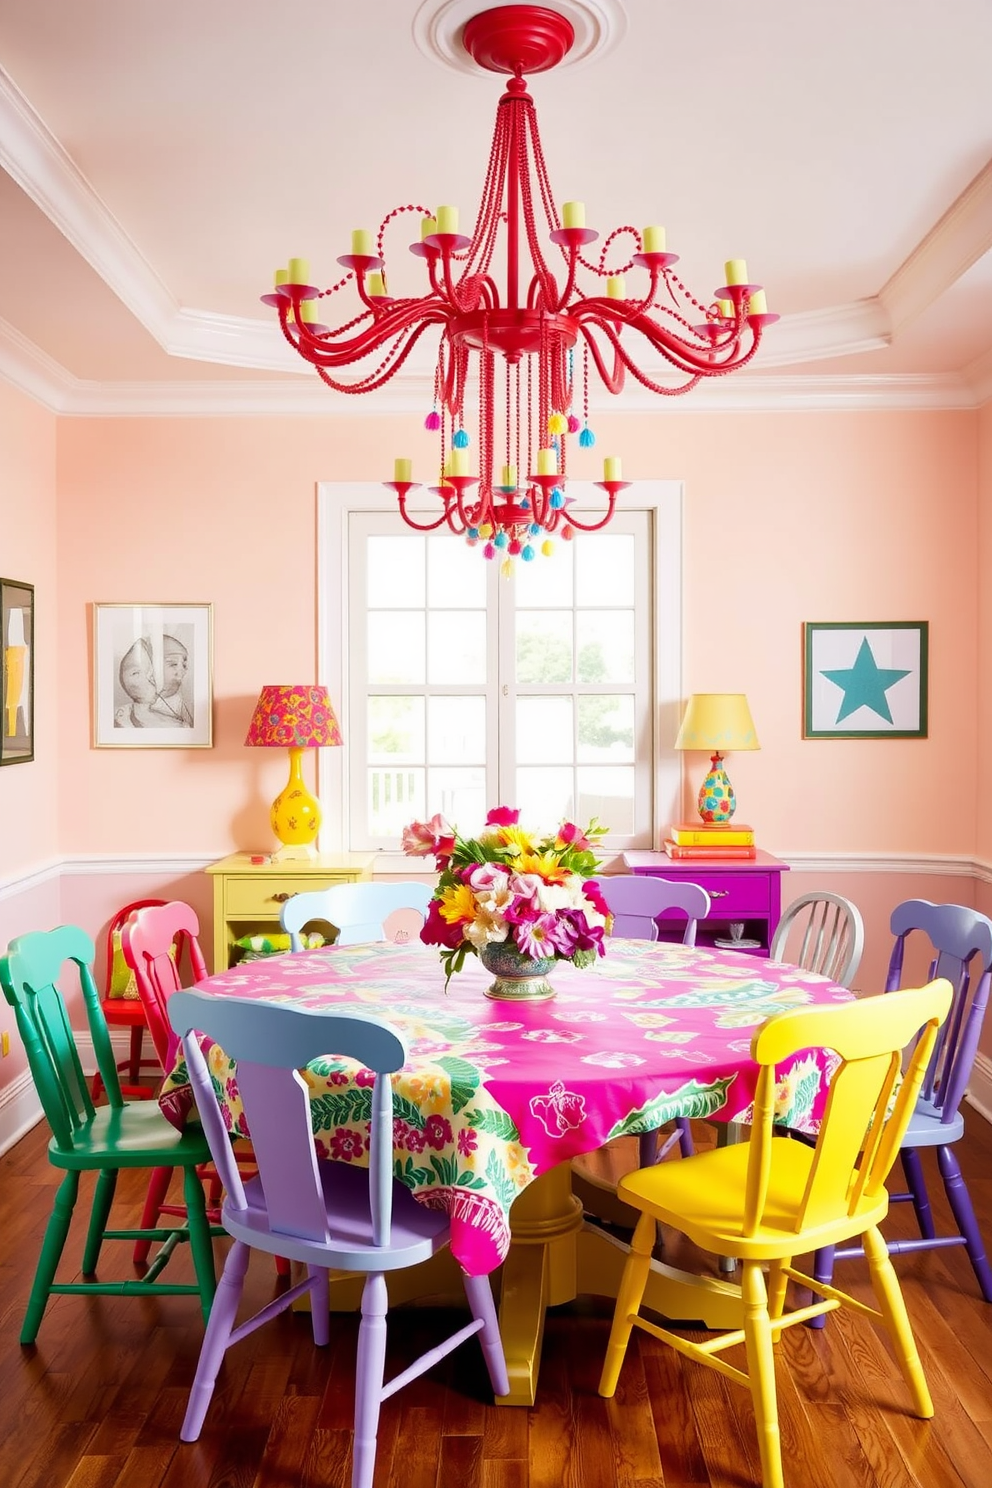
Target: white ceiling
(160, 160)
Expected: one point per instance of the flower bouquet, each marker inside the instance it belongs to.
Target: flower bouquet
(517, 901)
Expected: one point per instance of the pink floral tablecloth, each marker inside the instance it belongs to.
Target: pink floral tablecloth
(496, 1093)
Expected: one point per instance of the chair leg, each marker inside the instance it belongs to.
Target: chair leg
(629, 1296)
(913, 1169)
(964, 1215)
(761, 1372)
(200, 1240)
(103, 1198)
(368, 1378)
(56, 1233)
(158, 1187)
(891, 1305)
(216, 1339)
(320, 1310)
(480, 1301)
(823, 1270)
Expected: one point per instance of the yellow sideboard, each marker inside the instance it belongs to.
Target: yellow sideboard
(248, 897)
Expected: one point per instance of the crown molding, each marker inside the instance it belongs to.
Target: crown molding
(35, 159)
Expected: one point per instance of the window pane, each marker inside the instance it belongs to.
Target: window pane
(396, 646)
(544, 731)
(544, 646)
(456, 730)
(395, 571)
(605, 640)
(396, 730)
(604, 568)
(455, 575)
(396, 797)
(460, 795)
(544, 797)
(606, 729)
(608, 794)
(456, 646)
(546, 581)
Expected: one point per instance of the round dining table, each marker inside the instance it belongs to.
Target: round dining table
(497, 1097)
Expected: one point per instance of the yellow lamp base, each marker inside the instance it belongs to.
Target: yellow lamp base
(295, 815)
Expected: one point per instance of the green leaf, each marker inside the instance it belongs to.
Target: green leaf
(446, 1169)
(495, 1123)
(502, 1186)
(464, 1080)
(404, 1110)
(691, 1099)
(344, 1107)
(413, 1177)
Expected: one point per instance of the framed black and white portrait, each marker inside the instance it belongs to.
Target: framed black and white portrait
(152, 676)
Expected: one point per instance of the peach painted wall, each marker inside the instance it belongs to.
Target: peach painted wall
(788, 517)
(29, 824)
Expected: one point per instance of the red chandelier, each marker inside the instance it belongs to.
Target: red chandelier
(540, 328)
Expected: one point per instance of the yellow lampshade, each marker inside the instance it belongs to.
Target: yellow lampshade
(718, 722)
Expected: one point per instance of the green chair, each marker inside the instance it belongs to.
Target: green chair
(100, 1139)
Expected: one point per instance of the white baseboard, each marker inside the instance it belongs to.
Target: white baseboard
(20, 1108)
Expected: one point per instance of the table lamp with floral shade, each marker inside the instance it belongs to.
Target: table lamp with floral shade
(294, 718)
(717, 722)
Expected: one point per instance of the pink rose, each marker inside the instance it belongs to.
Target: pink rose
(502, 816)
(569, 835)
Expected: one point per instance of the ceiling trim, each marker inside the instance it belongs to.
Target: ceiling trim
(599, 26)
(35, 159)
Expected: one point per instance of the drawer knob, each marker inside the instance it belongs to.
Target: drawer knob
(280, 898)
(718, 893)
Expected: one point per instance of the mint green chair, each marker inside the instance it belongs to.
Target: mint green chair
(101, 1139)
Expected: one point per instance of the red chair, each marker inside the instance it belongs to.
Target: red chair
(127, 1012)
(153, 940)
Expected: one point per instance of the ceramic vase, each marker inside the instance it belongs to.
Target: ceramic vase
(517, 978)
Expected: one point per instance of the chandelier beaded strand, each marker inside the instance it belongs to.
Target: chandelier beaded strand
(517, 509)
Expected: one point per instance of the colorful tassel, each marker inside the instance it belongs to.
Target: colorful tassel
(501, 540)
(433, 421)
(489, 551)
(587, 438)
(547, 547)
(573, 424)
(460, 440)
(527, 553)
(557, 423)
(557, 499)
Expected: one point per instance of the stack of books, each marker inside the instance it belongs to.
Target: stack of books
(711, 840)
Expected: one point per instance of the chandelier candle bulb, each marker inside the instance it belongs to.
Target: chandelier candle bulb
(458, 462)
(299, 271)
(612, 469)
(509, 477)
(428, 227)
(758, 303)
(447, 219)
(736, 271)
(361, 243)
(376, 286)
(282, 277)
(726, 308)
(403, 470)
(654, 239)
(615, 287)
(308, 311)
(573, 214)
(547, 462)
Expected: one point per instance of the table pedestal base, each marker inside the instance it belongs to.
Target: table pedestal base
(556, 1256)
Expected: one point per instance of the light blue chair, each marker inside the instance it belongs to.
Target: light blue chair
(324, 1215)
(358, 911)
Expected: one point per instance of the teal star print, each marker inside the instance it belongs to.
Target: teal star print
(865, 684)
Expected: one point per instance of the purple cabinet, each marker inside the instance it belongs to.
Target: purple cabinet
(746, 891)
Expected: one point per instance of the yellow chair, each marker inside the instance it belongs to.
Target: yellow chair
(772, 1198)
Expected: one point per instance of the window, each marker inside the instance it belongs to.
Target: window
(556, 691)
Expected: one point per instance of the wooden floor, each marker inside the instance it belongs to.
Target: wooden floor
(97, 1403)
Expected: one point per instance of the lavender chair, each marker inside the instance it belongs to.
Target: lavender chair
(637, 904)
(961, 940)
(324, 1215)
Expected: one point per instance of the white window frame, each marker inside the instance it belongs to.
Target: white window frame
(336, 501)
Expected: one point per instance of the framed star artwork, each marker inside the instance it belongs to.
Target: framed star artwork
(865, 681)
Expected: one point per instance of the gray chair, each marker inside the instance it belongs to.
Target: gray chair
(821, 932)
(358, 911)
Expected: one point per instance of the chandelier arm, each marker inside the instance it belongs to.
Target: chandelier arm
(681, 355)
(413, 317)
(613, 383)
(573, 521)
(395, 358)
(424, 526)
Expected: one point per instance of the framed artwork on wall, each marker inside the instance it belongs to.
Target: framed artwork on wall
(16, 672)
(153, 676)
(865, 680)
